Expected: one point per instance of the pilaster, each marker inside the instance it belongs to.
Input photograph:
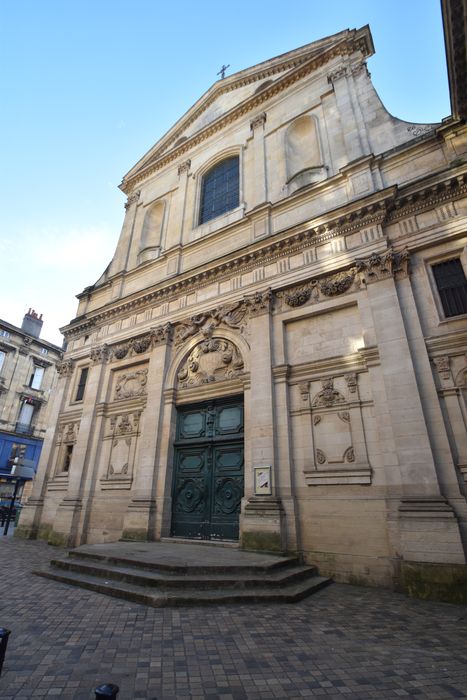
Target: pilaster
(140, 516)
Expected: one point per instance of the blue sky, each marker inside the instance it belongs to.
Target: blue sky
(89, 87)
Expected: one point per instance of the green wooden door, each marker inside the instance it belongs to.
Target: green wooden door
(208, 470)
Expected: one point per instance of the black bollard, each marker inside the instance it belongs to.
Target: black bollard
(4, 634)
(107, 690)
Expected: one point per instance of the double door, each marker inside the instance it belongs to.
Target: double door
(208, 470)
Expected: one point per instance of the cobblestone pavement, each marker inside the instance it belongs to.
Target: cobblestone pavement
(343, 642)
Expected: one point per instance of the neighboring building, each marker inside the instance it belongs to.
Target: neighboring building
(276, 353)
(27, 379)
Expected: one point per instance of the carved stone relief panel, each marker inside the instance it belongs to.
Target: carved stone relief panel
(339, 454)
(130, 384)
(120, 443)
(212, 360)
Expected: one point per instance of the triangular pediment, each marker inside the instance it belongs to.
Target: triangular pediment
(232, 93)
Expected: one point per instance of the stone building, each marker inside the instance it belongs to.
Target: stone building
(276, 352)
(27, 380)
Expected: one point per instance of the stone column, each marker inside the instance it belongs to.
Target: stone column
(428, 528)
(262, 520)
(31, 525)
(139, 521)
(66, 528)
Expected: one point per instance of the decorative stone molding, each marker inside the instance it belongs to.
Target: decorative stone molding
(442, 364)
(297, 296)
(328, 396)
(125, 423)
(313, 290)
(68, 432)
(231, 315)
(304, 389)
(337, 284)
(132, 198)
(65, 368)
(258, 121)
(419, 129)
(259, 303)
(184, 168)
(134, 346)
(380, 267)
(391, 207)
(131, 384)
(351, 381)
(212, 360)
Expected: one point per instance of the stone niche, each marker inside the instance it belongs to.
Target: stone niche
(303, 154)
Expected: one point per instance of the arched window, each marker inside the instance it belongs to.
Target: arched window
(220, 189)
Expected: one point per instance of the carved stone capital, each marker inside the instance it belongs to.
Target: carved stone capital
(100, 354)
(258, 121)
(340, 72)
(259, 303)
(378, 267)
(65, 368)
(132, 198)
(184, 168)
(443, 365)
(161, 334)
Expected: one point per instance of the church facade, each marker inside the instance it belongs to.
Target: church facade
(276, 353)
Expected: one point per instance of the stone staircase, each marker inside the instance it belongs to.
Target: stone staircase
(162, 573)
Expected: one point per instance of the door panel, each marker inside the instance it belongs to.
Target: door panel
(208, 471)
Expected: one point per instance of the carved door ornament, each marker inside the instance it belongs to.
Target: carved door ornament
(212, 360)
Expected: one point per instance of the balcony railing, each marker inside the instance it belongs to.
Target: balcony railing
(24, 428)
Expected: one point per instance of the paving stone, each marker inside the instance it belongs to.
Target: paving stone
(345, 643)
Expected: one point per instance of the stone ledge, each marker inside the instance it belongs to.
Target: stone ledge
(328, 477)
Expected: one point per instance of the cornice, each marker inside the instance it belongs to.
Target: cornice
(385, 206)
(300, 67)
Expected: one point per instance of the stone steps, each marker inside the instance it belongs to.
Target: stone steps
(158, 574)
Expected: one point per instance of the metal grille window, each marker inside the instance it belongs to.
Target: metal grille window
(220, 190)
(81, 384)
(452, 286)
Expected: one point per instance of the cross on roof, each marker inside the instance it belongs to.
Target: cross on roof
(222, 71)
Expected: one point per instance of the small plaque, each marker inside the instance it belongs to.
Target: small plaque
(263, 484)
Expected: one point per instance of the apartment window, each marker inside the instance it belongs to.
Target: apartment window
(81, 384)
(2, 359)
(44, 351)
(5, 334)
(452, 286)
(25, 416)
(36, 377)
(220, 189)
